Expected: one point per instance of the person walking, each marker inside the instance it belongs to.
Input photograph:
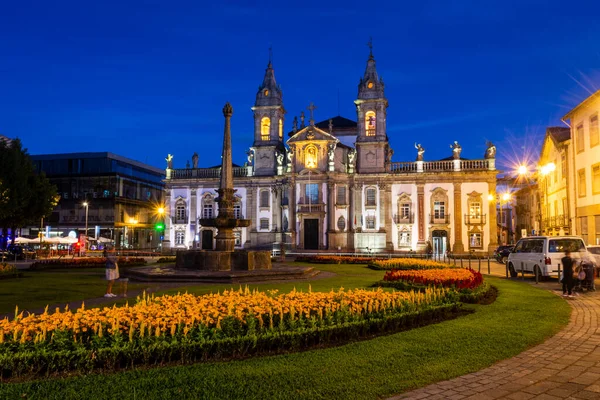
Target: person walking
(112, 272)
(567, 281)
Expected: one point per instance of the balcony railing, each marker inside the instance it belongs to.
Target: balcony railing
(197, 173)
(404, 218)
(475, 219)
(557, 221)
(304, 208)
(439, 166)
(439, 219)
(179, 220)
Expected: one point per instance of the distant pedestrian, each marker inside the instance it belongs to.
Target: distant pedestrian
(567, 281)
(112, 272)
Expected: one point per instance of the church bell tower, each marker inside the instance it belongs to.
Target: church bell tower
(372, 144)
(268, 124)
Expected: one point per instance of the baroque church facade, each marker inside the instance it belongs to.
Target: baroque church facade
(333, 186)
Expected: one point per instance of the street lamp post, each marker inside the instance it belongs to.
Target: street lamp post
(161, 213)
(132, 221)
(86, 205)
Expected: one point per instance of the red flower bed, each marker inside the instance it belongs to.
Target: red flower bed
(459, 278)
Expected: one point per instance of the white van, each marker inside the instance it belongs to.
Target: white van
(543, 253)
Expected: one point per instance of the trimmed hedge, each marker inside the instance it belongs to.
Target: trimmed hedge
(41, 361)
(327, 259)
(89, 262)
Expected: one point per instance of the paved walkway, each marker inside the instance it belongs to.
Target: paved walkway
(564, 366)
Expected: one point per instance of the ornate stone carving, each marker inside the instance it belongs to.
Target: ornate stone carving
(490, 152)
(351, 157)
(279, 159)
(420, 151)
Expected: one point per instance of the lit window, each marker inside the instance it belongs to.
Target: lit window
(264, 199)
(475, 209)
(439, 209)
(265, 127)
(475, 239)
(563, 165)
(594, 132)
(280, 129)
(264, 224)
(370, 123)
(405, 210)
(312, 193)
(579, 138)
(371, 200)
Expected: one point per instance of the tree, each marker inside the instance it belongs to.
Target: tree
(25, 196)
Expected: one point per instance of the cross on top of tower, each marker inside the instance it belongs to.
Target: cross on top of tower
(311, 108)
(370, 44)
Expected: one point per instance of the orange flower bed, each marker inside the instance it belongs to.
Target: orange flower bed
(447, 277)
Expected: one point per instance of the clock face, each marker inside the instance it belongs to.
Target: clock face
(370, 85)
(266, 92)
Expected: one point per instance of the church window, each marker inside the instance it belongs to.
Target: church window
(370, 123)
(310, 157)
(371, 197)
(341, 195)
(265, 127)
(264, 198)
(280, 129)
(341, 223)
(264, 224)
(266, 92)
(312, 193)
(370, 222)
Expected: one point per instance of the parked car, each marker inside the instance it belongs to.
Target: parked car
(19, 252)
(502, 252)
(594, 251)
(542, 254)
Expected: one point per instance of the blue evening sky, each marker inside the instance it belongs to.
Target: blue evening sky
(143, 79)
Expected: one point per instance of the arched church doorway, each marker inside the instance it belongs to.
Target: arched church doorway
(440, 241)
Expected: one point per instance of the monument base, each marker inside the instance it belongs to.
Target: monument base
(211, 260)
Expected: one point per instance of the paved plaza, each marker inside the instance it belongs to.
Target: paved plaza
(564, 366)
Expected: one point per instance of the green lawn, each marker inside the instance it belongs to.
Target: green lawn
(521, 317)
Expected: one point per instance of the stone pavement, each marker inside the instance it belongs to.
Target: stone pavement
(564, 366)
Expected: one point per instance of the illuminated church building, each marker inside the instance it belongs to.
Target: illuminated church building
(332, 185)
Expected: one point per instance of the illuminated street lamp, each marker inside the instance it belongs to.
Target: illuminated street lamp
(133, 222)
(160, 226)
(86, 205)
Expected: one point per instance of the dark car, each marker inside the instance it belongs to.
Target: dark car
(502, 252)
(19, 252)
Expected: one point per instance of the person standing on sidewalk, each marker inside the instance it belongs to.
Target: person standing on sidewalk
(567, 281)
(112, 272)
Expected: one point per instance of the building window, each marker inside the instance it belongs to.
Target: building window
(179, 237)
(238, 238)
(265, 127)
(594, 132)
(475, 240)
(341, 195)
(207, 211)
(595, 178)
(237, 211)
(404, 239)
(439, 209)
(563, 165)
(312, 193)
(180, 211)
(475, 209)
(370, 222)
(370, 123)
(371, 197)
(264, 224)
(264, 198)
(341, 223)
(583, 228)
(579, 138)
(404, 210)
(280, 129)
(310, 157)
(581, 182)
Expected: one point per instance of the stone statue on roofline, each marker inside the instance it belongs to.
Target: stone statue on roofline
(331, 152)
(169, 160)
(290, 155)
(456, 149)
(250, 155)
(490, 152)
(195, 160)
(279, 157)
(351, 157)
(420, 151)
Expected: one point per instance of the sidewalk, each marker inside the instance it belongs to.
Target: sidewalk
(565, 366)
